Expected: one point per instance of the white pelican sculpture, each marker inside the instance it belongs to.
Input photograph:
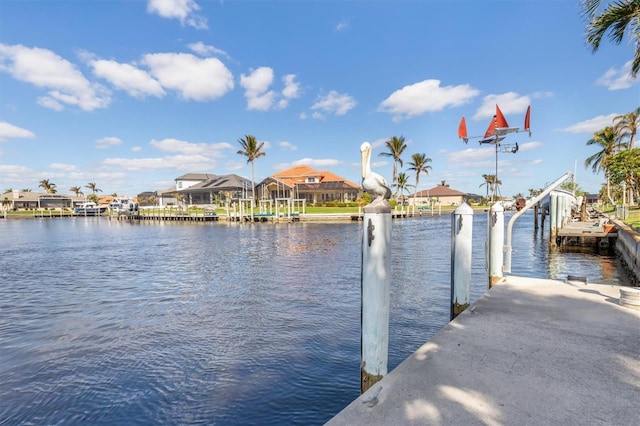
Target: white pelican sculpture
(372, 183)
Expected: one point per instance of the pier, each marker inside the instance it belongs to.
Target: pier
(599, 234)
(529, 351)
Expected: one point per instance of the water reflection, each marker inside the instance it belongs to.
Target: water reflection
(108, 322)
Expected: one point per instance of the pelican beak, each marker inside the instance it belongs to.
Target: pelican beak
(364, 154)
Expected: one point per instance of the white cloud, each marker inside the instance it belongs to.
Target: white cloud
(192, 77)
(9, 131)
(615, 79)
(333, 103)
(134, 81)
(426, 96)
(235, 165)
(287, 146)
(43, 68)
(107, 142)
(207, 50)
(183, 10)
(509, 103)
(136, 149)
(291, 87)
(542, 95)
(530, 146)
(214, 150)
(469, 155)
(343, 25)
(63, 167)
(312, 162)
(256, 86)
(177, 162)
(592, 125)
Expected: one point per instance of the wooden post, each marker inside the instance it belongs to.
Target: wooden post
(496, 243)
(461, 247)
(375, 289)
(535, 217)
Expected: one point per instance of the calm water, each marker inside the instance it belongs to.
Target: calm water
(107, 322)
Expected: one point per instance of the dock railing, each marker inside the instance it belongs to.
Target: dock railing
(532, 202)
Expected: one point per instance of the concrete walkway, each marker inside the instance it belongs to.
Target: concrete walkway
(529, 352)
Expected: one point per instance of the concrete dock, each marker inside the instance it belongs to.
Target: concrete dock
(528, 352)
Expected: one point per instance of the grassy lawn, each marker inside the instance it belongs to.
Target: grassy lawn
(221, 211)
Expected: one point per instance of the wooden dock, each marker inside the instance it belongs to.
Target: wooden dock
(591, 233)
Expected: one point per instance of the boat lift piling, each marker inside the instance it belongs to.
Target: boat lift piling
(375, 289)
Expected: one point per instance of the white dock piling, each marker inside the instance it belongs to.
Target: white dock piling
(496, 243)
(461, 247)
(375, 288)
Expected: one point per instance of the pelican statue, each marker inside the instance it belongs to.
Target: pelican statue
(373, 183)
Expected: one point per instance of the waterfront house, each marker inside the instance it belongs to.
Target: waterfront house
(306, 183)
(205, 189)
(441, 194)
(23, 200)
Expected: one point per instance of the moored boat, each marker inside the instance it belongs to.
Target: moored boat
(123, 205)
(89, 209)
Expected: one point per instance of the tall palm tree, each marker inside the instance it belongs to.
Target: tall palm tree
(626, 125)
(616, 18)
(487, 182)
(492, 184)
(610, 143)
(76, 190)
(396, 147)
(419, 164)
(49, 187)
(93, 187)
(252, 150)
(402, 184)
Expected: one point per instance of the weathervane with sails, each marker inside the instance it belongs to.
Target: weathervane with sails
(496, 132)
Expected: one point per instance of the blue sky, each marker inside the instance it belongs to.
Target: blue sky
(131, 94)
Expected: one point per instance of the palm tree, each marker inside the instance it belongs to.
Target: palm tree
(49, 187)
(626, 125)
(76, 190)
(491, 183)
(252, 150)
(402, 184)
(610, 143)
(396, 147)
(6, 203)
(93, 187)
(615, 19)
(419, 164)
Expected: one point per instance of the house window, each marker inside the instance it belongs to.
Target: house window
(179, 184)
(311, 180)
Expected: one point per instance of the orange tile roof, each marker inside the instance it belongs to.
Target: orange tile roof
(299, 174)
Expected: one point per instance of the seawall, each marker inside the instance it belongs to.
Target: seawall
(628, 248)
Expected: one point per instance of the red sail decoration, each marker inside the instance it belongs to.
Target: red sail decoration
(501, 122)
(497, 122)
(462, 130)
(527, 120)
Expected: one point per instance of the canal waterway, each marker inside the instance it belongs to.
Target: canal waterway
(109, 322)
